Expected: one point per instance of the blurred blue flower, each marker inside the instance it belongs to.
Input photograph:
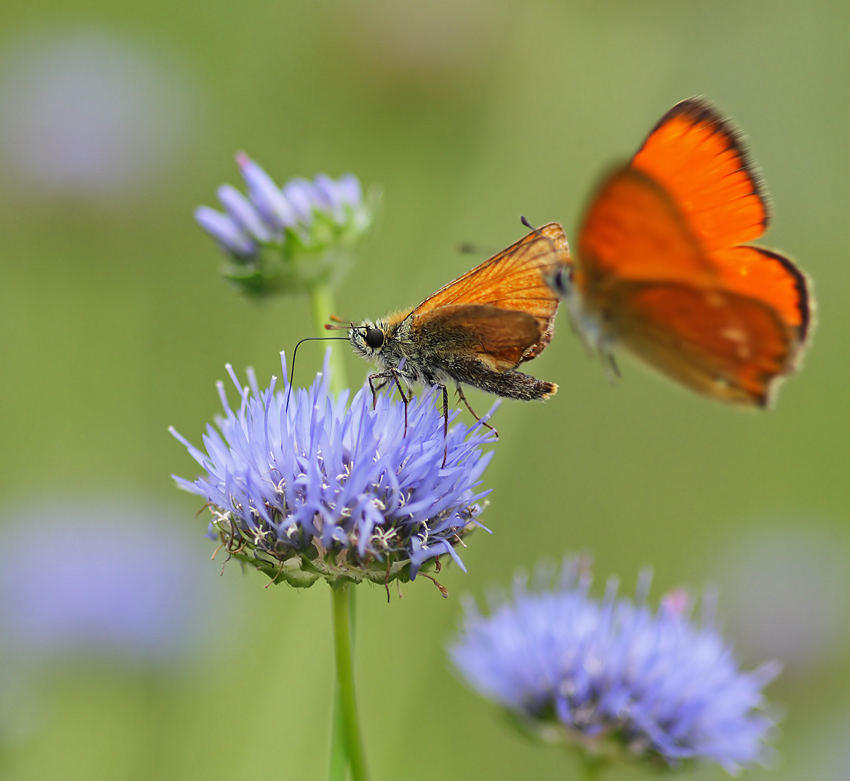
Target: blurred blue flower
(289, 238)
(92, 112)
(323, 489)
(101, 578)
(613, 676)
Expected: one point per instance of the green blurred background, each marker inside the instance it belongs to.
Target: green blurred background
(116, 120)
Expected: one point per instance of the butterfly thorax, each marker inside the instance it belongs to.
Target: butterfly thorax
(391, 344)
(417, 356)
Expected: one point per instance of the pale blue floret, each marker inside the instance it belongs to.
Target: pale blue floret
(302, 197)
(225, 231)
(266, 195)
(243, 213)
(615, 673)
(323, 480)
(263, 217)
(338, 197)
(349, 190)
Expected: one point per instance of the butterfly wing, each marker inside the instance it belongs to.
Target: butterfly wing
(513, 281)
(664, 270)
(771, 278)
(633, 230)
(499, 338)
(698, 157)
(718, 343)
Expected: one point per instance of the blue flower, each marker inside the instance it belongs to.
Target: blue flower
(613, 675)
(289, 238)
(323, 489)
(110, 579)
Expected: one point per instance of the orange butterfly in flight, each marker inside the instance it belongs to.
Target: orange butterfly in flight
(476, 330)
(665, 267)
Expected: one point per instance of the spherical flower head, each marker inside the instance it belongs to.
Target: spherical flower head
(614, 677)
(290, 238)
(323, 489)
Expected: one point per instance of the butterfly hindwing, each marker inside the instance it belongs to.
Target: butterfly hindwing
(718, 343)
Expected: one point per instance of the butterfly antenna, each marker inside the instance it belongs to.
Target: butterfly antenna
(295, 354)
(534, 229)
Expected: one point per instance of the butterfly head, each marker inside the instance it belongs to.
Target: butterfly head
(368, 338)
(561, 280)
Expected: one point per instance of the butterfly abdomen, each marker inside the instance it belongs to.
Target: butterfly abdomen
(510, 384)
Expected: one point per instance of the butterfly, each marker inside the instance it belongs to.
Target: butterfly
(476, 330)
(665, 269)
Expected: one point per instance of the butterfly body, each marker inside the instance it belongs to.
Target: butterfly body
(665, 269)
(448, 351)
(477, 329)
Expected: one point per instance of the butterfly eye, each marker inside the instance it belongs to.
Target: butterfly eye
(374, 337)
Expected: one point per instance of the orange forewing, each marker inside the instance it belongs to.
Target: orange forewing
(634, 230)
(513, 280)
(698, 158)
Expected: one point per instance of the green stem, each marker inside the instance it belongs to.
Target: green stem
(339, 755)
(322, 303)
(353, 741)
(345, 734)
(339, 752)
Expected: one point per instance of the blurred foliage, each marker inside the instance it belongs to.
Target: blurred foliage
(115, 324)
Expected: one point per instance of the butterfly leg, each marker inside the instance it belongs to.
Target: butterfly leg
(374, 388)
(483, 422)
(384, 378)
(403, 398)
(612, 369)
(445, 423)
(395, 375)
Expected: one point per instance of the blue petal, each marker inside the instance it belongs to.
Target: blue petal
(225, 231)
